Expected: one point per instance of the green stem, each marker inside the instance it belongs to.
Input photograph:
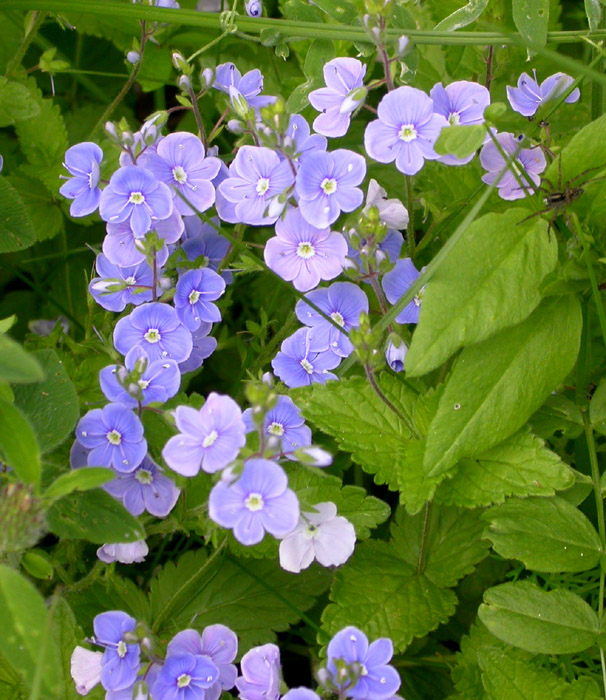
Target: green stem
(15, 62)
(210, 44)
(424, 531)
(597, 297)
(410, 205)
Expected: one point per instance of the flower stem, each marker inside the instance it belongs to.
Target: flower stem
(15, 62)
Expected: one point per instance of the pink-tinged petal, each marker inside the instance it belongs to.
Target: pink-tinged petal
(381, 141)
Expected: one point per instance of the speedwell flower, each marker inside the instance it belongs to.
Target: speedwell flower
(529, 95)
(82, 162)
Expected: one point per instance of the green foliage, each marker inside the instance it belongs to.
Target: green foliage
(16, 365)
(78, 480)
(16, 103)
(531, 18)
(460, 141)
(16, 229)
(463, 16)
(18, 444)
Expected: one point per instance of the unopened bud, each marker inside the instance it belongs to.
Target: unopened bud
(254, 8)
(238, 102)
(110, 128)
(184, 83)
(207, 77)
(313, 456)
(133, 57)
(403, 42)
(179, 62)
(353, 100)
(396, 353)
(235, 126)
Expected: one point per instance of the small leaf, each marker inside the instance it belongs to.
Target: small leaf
(593, 10)
(16, 365)
(318, 55)
(36, 565)
(531, 18)
(18, 444)
(463, 16)
(78, 480)
(16, 103)
(461, 140)
(16, 229)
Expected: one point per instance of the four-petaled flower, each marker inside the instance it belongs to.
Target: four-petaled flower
(396, 283)
(184, 677)
(119, 285)
(283, 422)
(82, 162)
(120, 661)
(195, 292)
(302, 361)
(529, 95)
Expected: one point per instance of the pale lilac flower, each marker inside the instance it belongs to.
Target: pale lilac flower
(529, 160)
(301, 694)
(194, 294)
(395, 355)
(228, 79)
(126, 553)
(145, 489)
(343, 302)
(396, 283)
(299, 134)
(370, 677)
(389, 248)
(218, 644)
(114, 436)
(303, 254)
(322, 535)
(258, 501)
(120, 661)
(134, 195)
(184, 677)
(121, 246)
(85, 669)
(181, 164)
(202, 240)
(260, 679)
(343, 94)
(327, 184)
(405, 131)
(529, 95)
(156, 327)
(209, 439)
(256, 176)
(118, 286)
(83, 163)
(391, 211)
(301, 361)
(462, 102)
(283, 422)
(203, 347)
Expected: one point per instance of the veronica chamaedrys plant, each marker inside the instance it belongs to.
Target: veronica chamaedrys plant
(302, 360)
(194, 295)
(83, 162)
(396, 283)
(284, 424)
(528, 96)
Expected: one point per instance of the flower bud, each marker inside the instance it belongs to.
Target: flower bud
(179, 62)
(395, 353)
(133, 57)
(254, 8)
(353, 100)
(313, 456)
(207, 77)
(403, 42)
(238, 102)
(110, 128)
(235, 126)
(184, 83)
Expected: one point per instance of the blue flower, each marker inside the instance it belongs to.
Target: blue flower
(529, 95)
(228, 79)
(184, 677)
(283, 421)
(202, 240)
(83, 163)
(118, 286)
(302, 361)
(120, 661)
(203, 347)
(195, 292)
(396, 283)
(260, 679)
(299, 134)
(254, 8)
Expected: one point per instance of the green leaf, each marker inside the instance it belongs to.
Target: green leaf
(16, 229)
(554, 622)
(23, 621)
(597, 408)
(36, 565)
(16, 365)
(94, 516)
(519, 466)
(318, 55)
(255, 599)
(490, 280)
(593, 10)
(461, 140)
(545, 534)
(463, 16)
(51, 405)
(43, 210)
(496, 385)
(531, 18)
(16, 103)
(342, 11)
(67, 635)
(78, 480)
(18, 444)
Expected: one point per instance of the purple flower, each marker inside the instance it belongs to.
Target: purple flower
(157, 381)
(85, 669)
(114, 436)
(184, 677)
(256, 176)
(179, 162)
(228, 79)
(461, 102)
(202, 240)
(405, 131)
(389, 247)
(370, 677)
(126, 553)
(529, 160)
(203, 347)
(529, 95)
(301, 694)
(209, 439)
(303, 254)
(82, 162)
(134, 195)
(120, 662)
(391, 211)
(327, 185)
(218, 644)
(156, 327)
(344, 78)
(396, 283)
(121, 246)
(301, 361)
(195, 292)
(145, 489)
(254, 8)
(258, 501)
(299, 134)
(343, 302)
(260, 679)
(118, 286)
(283, 421)
(395, 355)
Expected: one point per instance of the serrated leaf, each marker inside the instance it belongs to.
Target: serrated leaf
(519, 466)
(460, 140)
(16, 229)
(531, 18)
(43, 210)
(51, 405)
(545, 534)
(558, 414)
(18, 444)
(78, 480)
(463, 16)
(542, 622)
(490, 280)
(496, 385)
(16, 103)
(16, 365)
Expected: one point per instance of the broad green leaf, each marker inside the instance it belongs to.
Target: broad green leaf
(558, 414)
(318, 55)
(490, 280)
(343, 11)
(43, 209)
(7, 323)
(16, 229)
(94, 516)
(460, 141)
(51, 405)
(156, 68)
(37, 565)
(78, 480)
(463, 16)
(593, 10)
(496, 385)
(18, 444)
(16, 103)
(531, 18)
(554, 622)
(16, 365)
(519, 466)
(23, 621)
(545, 534)
(597, 408)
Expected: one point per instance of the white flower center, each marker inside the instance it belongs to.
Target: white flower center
(254, 502)
(130, 281)
(307, 366)
(310, 531)
(453, 118)
(143, 476)
(210, 438)
(337, 318)
(179, 175)
(114, 437)
(305, 250)
(419, 297)
(183, 680)
(153, 335)
(121, 649)
(407, 133)
(276, 429)
(329, 185)
(363, 670)
(262, 186)
(136, 198)
(143, 383)
(194, 296)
